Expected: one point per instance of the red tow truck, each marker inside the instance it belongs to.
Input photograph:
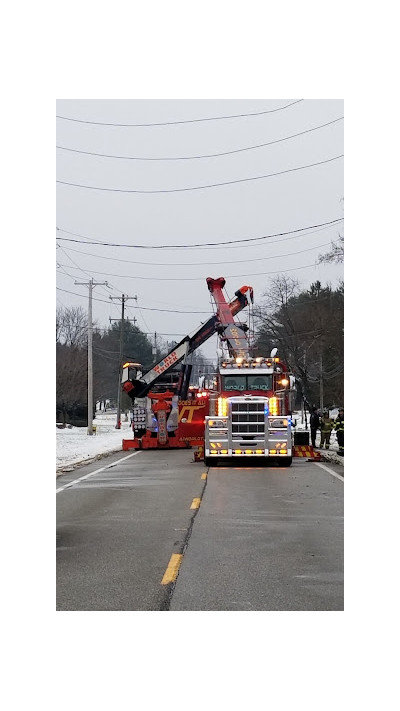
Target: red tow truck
(246, 414)
(167, 413)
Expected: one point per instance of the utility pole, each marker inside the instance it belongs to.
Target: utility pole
(123, 298)
(90, 284)
(321, 384)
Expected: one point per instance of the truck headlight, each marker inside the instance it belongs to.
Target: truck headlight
(222, 407)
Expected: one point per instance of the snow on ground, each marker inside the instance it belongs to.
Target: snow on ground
(74, 446)
(332, 453)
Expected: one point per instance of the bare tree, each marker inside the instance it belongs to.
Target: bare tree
(59, 324)
(71, 326)
(336, 254)
(71, 378)
(307, 328)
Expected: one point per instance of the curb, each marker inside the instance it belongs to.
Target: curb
(66, 468)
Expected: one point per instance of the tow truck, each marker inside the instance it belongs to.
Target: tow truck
(167, 413)
(250, 413)
(247, 414)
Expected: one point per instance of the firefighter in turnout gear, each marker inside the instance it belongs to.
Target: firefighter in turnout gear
(314, 425)
(326, 429)
(339, 428)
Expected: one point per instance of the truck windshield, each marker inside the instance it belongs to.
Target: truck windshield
(247, 382)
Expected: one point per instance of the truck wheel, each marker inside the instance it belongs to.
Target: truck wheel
(286, 461)
(207, 461)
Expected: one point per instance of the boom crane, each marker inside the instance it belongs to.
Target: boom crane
(230, 332)
(137, 385)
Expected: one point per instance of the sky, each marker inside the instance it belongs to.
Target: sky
(170, 283)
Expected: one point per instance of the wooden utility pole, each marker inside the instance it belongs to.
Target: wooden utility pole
(321, 384)
(123, 298)
(90, 284)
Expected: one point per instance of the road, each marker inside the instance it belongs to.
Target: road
(155, 531)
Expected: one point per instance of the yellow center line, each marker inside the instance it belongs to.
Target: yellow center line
(173, 568)
(195, 504)
(204, 475)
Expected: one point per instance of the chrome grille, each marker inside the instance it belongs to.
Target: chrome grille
(248, 417)
(248, 406)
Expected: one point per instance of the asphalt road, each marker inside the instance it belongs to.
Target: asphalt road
(156, 531)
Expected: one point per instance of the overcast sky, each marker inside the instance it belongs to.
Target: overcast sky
(168, 281)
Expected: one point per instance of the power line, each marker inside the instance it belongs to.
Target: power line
(241, 261)
(201, 187)
(175, 311)
(89, 240)
(228, 276)
(135, 261)
(260, 334)
(174, 123)
(188, 264)
(146, 333)
(196, 157)
(64, 251)
(76, 266)
(61, 266)
(140, 308)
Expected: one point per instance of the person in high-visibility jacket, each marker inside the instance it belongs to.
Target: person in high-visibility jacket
(339, 429)
(326, 429)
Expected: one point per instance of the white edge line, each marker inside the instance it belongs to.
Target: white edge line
(76, 481)
(330, 471)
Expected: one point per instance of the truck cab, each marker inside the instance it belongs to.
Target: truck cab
(250, 413)
(266, 377)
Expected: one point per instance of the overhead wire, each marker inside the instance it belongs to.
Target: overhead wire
(174, 123)
(195, 188)
(237, 261)
(201, 187)
(302, 304)
(229, 276)
(207, 155)
(188, 264)
(139, 310)
(91, 240)
(105, 330)
(277, 256)
(61, 267)
(143, 308)
(76, 266)
(112, 304)
(146, 333)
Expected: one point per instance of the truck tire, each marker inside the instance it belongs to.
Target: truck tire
(207, 461)
(286, 461)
